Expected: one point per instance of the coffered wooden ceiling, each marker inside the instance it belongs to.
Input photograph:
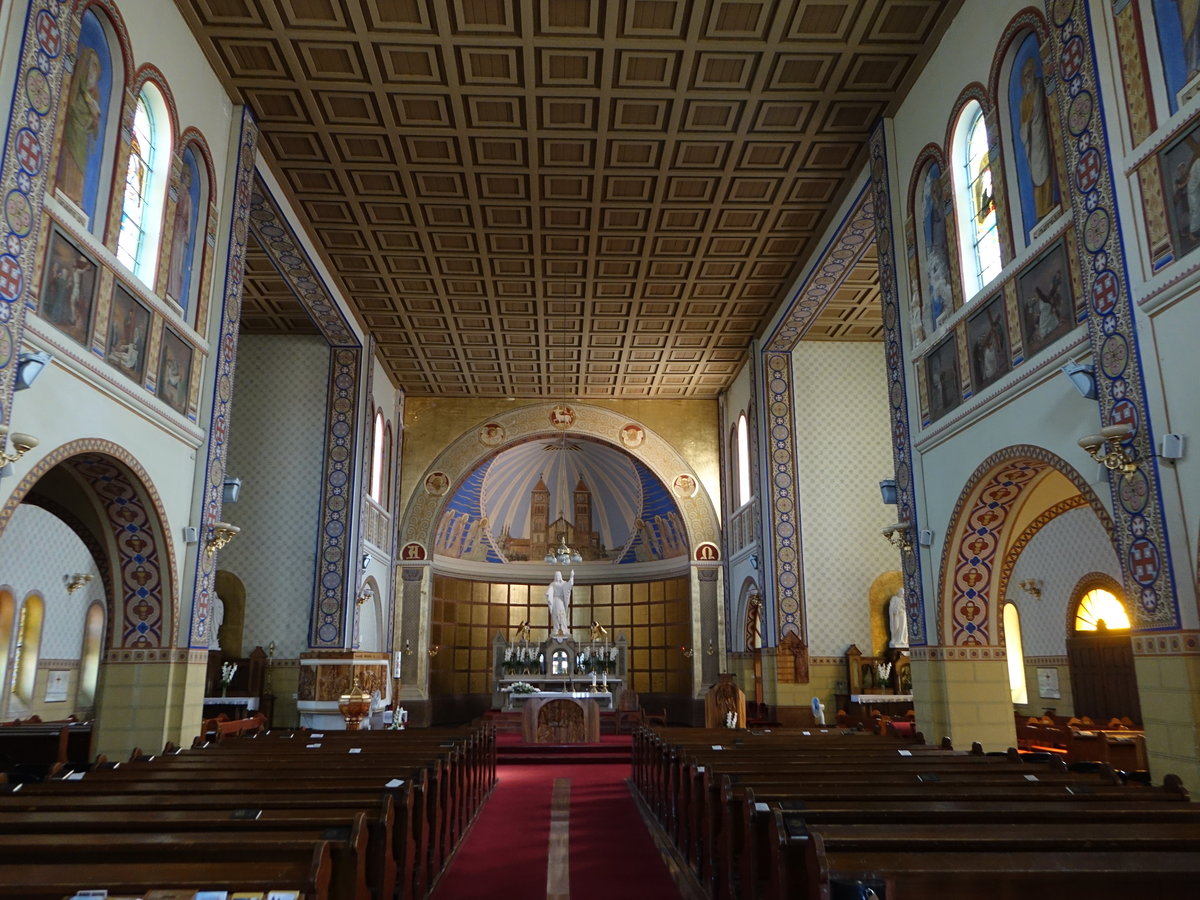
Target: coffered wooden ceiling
(566, 198)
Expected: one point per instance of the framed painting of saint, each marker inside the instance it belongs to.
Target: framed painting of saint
(987, 343)
(174, 369)
(1180, 167)
(128, 333)
(1045, 301)
(942, 378)
(68, 288)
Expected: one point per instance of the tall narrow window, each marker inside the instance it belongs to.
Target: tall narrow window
(7, 614)
(743, 459)
(28, 648)
(376, 488)
(141, 207)
(976, 202)
(89, 657)
(1016, 654)
(389, 465)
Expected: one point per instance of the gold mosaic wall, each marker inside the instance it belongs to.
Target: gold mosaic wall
(654, 617)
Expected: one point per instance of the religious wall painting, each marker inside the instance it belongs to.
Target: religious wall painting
(492, 433)
(1178, 25)
(128, 334)
(85, 120)
(184, 232)
(1180, 168)
(1045, 300)
(437, 483)
(68, 296)
(1033, 159)
(987, 343)
(933, 250)
(174, 371)
(942, 376)
(632, 436)
(521, 504)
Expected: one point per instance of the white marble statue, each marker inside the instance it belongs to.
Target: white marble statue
(558, 599)
(898, 620)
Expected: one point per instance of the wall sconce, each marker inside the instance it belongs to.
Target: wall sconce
(231, 490)
(407, 648)
(75, 582)
(1105, 448)
(687, 651)
(435, 649)
(1083, 377)
(222, 533)
(898, 536)
(29, 367)
(366, 560)
(888, 491)
(22, 444)
(364, 595)
(711, 648)
(1033, 587)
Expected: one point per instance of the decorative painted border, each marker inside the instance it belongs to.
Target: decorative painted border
(1141, 535)
(141, 541)
(1041, 521)
(25, 174)
(893, 342)
(969, 601)
(190, 656)
(785, 568)
(934, 653)
(226, 360)
(334, 562)
(278, 240)
(1179, 643)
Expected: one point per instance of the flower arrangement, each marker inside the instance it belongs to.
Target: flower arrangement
(228, 670)
(884, 671)
(731, 719)
(523, 687)
(519, 659)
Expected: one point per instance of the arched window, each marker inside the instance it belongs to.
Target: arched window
(1031, 166)
(28, 647)
(376, 486)
(1100, 606)
(1015, 651)
(89, 124)
(145, 186)
(89, 656)
(975, 200)
(743, 461)
(389, 465)
(186, 245)
(7, 614)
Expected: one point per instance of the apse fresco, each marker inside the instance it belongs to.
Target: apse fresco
(605, 503)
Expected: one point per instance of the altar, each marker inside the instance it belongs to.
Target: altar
(561, 717)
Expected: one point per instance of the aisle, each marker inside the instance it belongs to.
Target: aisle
(602, 849)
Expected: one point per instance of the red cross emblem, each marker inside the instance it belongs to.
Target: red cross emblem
(1105, 292)
(1087, 170)
(1123, 414)
(1143, 561)
(1072, 57)
(11, 279)
(48, 33)
(29, 151)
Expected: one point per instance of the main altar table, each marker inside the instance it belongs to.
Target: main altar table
(580, 728)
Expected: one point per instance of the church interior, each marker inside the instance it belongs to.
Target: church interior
(767, 365)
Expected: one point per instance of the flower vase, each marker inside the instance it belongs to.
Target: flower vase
(224, 689)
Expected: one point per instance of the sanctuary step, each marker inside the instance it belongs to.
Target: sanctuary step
(611, 749)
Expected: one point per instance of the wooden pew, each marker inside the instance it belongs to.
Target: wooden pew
(1102, 861)
(306, 867)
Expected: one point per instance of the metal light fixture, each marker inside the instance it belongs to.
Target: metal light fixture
(435, 649)
(687, 651)
(887, 490)
(1106, 449)
(711, 648)
(562, 554)
(220, 535)
(1033, 587)
(22, 444)
(231, 490)
(29, 367)
(408, 651)
(1083, 377)
(899, 535)
(76, 581)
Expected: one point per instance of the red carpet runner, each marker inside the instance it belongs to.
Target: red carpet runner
(611, 854)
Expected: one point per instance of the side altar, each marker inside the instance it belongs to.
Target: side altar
(560, 665)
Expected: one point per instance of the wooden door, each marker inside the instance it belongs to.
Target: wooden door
(1103, 680)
